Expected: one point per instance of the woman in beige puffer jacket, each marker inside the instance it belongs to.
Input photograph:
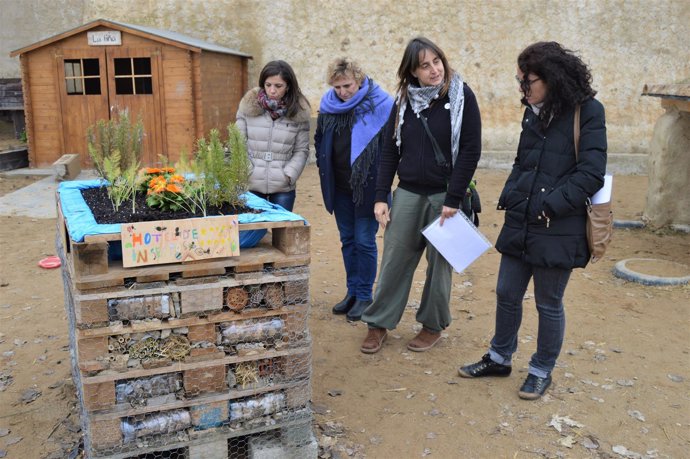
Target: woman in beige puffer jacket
(274, 118)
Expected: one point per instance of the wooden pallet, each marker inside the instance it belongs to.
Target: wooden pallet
(92, 352)
(104, 429)
(219, 443)
(90, 268)
(186, 298)
(290, 367)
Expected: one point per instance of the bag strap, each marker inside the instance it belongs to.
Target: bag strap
(438, 154)
(576, 130)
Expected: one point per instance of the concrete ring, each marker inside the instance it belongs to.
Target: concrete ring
(629, 224)
(622, 271)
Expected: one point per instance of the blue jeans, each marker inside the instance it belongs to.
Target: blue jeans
(285, 199)
(549, 285)
(358, 239)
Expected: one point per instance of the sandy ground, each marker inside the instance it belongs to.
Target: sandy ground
(621, 387)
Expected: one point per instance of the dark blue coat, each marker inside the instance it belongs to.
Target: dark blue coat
(546, 177)
(323, 143)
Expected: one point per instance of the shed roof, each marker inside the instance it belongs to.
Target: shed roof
(163, 36)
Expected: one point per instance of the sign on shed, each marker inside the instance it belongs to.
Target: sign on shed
(176, 241)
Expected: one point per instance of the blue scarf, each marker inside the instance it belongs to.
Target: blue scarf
(365, 114)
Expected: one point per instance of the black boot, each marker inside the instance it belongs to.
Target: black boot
(344, 306)
(358, 309)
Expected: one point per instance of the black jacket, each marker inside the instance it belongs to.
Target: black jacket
(415, 162)
(546, 177)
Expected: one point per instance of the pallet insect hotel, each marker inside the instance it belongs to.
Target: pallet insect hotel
(199, 359)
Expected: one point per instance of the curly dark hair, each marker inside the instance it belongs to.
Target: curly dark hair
(567, 78)
(294, 97)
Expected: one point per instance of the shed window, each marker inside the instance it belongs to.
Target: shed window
(133, 75)
(82, 77)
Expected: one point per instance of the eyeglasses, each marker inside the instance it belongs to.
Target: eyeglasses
(525, 83)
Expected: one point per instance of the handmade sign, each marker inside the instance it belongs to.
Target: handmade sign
(104, 38)
(176, 241)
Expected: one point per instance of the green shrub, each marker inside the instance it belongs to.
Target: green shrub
(115, 148)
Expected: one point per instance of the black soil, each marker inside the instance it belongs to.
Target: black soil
(98, 201)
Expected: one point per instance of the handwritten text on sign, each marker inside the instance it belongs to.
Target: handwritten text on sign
(176, 241)
(104, 38)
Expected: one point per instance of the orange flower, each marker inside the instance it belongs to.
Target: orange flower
(157, 181)
(176, 179)
(157, 184)
(173, 188)
(168, 170)
(152, 170)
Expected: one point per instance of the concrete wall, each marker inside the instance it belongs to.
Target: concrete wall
(627, 43)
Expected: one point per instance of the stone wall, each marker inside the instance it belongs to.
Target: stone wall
(626, 42)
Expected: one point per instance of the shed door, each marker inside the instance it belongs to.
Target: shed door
(133, 85)
(83, 96)
(98, 83)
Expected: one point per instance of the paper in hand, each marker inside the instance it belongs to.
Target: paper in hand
(458, 240)
(604, 194)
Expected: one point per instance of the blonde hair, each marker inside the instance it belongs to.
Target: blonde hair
(344, 66)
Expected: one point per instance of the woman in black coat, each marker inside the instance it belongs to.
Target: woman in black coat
(544, 237)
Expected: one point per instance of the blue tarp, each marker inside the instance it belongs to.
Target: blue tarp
(81, 222)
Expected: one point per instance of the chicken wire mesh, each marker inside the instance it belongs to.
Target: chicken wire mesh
(214, 367)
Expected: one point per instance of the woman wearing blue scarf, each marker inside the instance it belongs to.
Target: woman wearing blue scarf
(348, 140)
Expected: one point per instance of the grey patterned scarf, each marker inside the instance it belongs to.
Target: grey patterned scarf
(420, 98)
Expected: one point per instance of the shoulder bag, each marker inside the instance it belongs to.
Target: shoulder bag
(599, 216)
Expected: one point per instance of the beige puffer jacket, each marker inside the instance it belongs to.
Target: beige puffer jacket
(277, 149)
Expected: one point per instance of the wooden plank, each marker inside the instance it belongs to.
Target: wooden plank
(125, 410)
(243, 227)
(243, 279)
(91, 312)
(182, 366)
(177, 323)
(205, 380)
(201, 301)
(292, 240)
(99, 396)
(28, 108)
(249, 267)
(201, 354)
(115, 271)
(153, 278)
(203, 332)
(92, 348)
(105, 434)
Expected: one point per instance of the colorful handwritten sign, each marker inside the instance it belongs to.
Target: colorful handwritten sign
(177, 241)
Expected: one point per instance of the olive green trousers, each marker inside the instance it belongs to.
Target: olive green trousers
(403, 246)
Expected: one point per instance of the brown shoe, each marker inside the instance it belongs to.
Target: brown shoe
(424, 340)
(374, 340)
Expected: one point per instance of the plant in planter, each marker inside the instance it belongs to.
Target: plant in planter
(164, 188)
(115, 148)
(212, 183)
(217, 177)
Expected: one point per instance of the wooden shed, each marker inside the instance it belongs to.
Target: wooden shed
(181, 86)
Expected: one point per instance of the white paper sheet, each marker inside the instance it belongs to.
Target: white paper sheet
(458, 240)
(604, 194)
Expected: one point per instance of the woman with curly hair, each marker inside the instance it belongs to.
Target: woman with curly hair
(274, 118)
(543, 237)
